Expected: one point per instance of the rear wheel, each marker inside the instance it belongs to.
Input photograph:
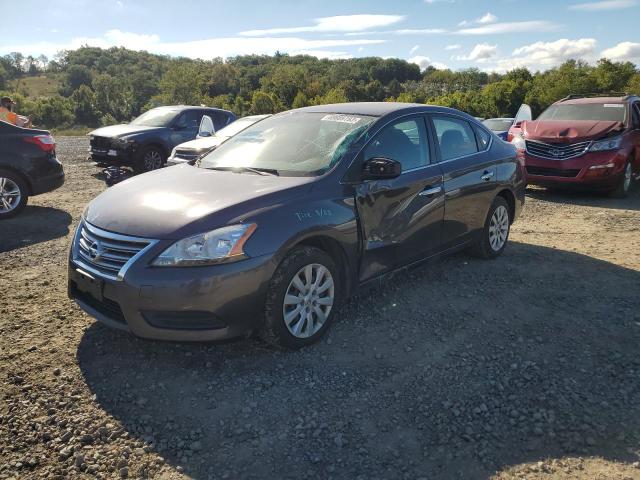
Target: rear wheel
(624, 185)
(13, 194)
(301, 299)
(148, 159)
(495, 233)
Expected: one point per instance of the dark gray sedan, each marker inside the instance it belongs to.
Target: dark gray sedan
(270, 231)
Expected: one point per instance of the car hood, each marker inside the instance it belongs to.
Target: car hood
(561, 131)
(202, 143)
(122, 130)
(177, 202)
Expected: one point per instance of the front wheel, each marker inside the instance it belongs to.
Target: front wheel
(148, 159)
(13, 194)
(301, 299)
(624, 185)
(495, 233)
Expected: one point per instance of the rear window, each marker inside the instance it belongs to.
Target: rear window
(606, 112)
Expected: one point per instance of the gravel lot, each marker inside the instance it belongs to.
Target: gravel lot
(523, 367)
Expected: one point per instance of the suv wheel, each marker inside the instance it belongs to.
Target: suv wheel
(148, 159)
(301, 299)
(625, 183)
(495, 233)
(13, 194)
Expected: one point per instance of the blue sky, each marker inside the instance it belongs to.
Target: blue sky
(491, 35)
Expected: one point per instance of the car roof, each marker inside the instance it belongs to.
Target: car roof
(500, 118)
(592, 100)
(378, 109)
(190, 107)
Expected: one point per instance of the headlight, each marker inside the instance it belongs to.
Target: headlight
(124, 143)
(608, 144)
(218, 246)
(518, 142)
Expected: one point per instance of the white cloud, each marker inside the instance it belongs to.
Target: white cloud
(205, 49)
(544, 55)
(453, 47)
(481, 53)
(424, 62)
(323, 53)
(604, 5)
(339, 23)
(414, 49)
(510, 27)
(431, 2)
(418, 31)
(487, 18)
(625, 51)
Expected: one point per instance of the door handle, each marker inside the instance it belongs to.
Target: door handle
(487, 176)
(428, 192)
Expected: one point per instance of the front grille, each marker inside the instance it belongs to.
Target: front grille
(106, 307)
(553, 172)
(186, 154)
(556, 151)
(105, 253)
(100, 143)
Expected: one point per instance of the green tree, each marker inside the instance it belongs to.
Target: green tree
(85, 110)
(300, 100)
(262, 103)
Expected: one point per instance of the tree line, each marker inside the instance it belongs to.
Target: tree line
(105, 86)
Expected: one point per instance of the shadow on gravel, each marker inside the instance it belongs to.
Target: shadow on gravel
(33, 225)
(587, 199)
(453, 371)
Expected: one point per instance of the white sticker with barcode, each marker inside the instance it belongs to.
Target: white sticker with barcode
(613, 105)
(334, 117)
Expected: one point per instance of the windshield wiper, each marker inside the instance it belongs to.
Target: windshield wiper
(259, 171)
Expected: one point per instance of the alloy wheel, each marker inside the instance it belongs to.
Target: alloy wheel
(308, 300)
(10, 195)
(499, 228)
(152, 160)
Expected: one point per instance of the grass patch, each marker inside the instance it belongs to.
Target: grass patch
(38, 86)
(77, 131)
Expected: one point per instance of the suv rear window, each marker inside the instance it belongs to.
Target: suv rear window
(607, 112)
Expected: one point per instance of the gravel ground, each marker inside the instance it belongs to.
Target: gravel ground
(522, 367)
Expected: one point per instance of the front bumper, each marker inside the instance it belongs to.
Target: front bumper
(593, 170)
(111, 155)
(180, 304)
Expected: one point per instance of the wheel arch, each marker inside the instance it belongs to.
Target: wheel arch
(23, 177)
(510, 198)
(337, 252)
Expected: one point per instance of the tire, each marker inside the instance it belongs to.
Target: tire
(280, 322)
(495, 233)
(13, 194)
(148, 159)
(625, 183)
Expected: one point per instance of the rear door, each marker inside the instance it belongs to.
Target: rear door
(469, 175)
(401, 218)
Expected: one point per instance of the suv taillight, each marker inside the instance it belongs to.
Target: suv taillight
(46, 143)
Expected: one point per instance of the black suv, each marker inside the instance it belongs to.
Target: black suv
(146, 142)
(28, 166)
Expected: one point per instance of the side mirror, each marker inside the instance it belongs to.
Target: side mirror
(380, 169)
(206, 127)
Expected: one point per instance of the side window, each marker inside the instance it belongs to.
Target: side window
(455, 137)
(483, 137)
(190, 119)
(404, 141)
(635, 115)
(220, 120)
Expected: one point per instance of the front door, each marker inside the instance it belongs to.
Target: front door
(186, 126)
(401, 218)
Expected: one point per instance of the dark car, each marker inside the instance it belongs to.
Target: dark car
(271, 230)
(582, 141)
(28, 166)
(500, 126)
(147, 141)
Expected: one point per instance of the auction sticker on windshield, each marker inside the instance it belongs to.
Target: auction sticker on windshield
(341, 118)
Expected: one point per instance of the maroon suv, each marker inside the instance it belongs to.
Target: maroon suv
(589, 141)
